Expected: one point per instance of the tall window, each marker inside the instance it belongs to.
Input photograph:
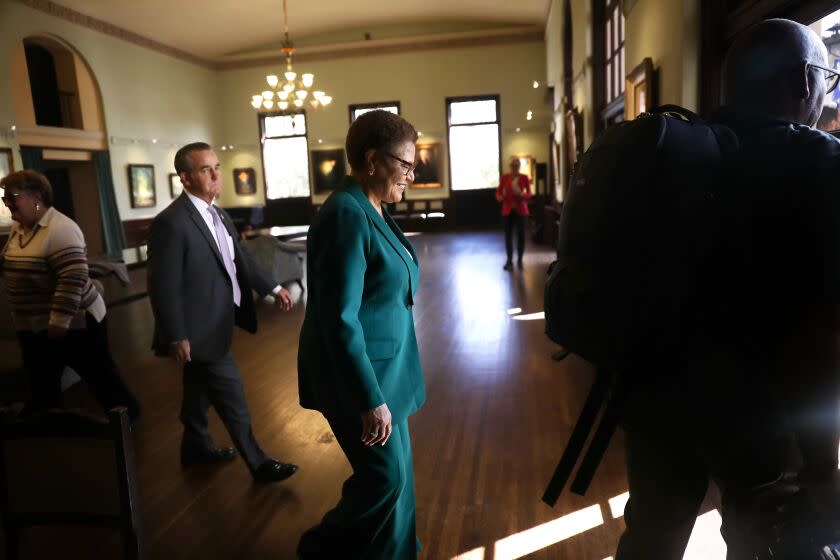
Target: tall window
(285, 154)
(614, 37)
(609, 59)
(360, 109)
(473, 125)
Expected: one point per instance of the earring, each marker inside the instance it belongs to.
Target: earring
(371, 172)
(37, 207)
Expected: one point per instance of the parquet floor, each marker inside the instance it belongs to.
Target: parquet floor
(498, 414)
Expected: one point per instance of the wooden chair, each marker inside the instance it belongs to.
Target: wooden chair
(64, 468)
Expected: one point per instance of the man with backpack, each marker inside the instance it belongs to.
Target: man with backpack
(752, 398)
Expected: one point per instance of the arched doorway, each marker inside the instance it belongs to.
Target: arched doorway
(61, 130)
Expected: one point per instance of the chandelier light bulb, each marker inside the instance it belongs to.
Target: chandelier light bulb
(292, 90)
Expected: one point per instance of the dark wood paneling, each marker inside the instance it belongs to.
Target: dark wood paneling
(476, 208)
(288, 212)
(137, 232)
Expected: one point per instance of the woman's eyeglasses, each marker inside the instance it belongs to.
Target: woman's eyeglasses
(407, 166)
(832, 77)
(10, 198)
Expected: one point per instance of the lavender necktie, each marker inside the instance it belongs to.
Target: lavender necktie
(227, 258)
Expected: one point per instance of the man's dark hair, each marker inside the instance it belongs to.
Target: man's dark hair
(31, 182)
(377, 130)
(182, 156)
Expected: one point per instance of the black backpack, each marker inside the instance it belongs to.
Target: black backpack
(635, 231)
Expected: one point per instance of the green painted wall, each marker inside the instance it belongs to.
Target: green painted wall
(421, 81)
(145, 95)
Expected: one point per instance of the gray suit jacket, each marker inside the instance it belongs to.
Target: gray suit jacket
(190, 290)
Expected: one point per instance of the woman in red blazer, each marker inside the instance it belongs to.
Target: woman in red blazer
(513, 192)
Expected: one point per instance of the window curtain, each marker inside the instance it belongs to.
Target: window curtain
(112, 227)
(32, 158)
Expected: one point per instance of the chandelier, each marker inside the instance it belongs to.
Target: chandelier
(289, 94)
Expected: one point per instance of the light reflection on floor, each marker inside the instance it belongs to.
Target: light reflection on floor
(474, 554)
(705, 542)
(530, 317)
(547, 534)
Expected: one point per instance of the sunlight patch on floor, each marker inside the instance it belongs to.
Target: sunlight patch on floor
(514, 311)
(474, 554)
(617, 504)
(547, 534)
(706, 542)
(530, 317)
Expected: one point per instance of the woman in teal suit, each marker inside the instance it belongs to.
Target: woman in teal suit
(358, 362)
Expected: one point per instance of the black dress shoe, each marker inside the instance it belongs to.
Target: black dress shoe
(508, 266)
(274, 471)
(208, 457)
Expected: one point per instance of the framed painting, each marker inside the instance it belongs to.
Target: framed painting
(7, 163)
(245, 181)
(639, 91)
(141, 184)
(527, 167)
(175, 185)
(328, 170)
(428, 171)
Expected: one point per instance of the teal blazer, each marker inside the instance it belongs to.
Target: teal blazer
(358, 348)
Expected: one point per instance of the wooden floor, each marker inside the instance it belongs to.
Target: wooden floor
(498, 414)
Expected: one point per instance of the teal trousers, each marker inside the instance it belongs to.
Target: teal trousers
(375, 518)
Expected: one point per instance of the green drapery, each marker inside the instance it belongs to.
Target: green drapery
(32, 158)
(112, 228)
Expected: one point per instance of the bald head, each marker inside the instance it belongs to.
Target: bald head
(767, 70)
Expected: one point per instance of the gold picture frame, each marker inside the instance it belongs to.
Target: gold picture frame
(640, 90)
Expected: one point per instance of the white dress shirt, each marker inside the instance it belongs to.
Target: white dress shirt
(205, 212)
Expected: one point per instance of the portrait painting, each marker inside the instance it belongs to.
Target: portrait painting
(328, 170)
(526, 166)
(175, 185)
(141, 182)
(639, 92)
(7, 165)
(245, 181)
(428, 173)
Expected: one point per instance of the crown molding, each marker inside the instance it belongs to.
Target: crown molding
(68, 14)
(518, 34)
(355, 49)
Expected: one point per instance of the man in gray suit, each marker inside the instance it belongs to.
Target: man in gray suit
(200, 281)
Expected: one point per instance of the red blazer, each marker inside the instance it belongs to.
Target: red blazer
(504, 194)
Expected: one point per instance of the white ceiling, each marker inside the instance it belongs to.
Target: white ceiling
(212, 28)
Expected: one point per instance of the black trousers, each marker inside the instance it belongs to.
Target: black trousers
(217, 383)
(671, 459)
(517, 222)
(86, 351)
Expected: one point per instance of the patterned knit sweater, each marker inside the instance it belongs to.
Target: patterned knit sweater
(46, 275)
